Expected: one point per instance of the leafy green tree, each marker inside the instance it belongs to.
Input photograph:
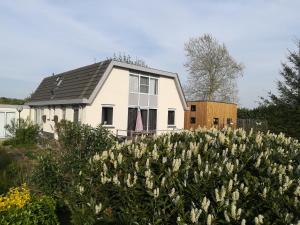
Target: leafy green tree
(11, 101)
(289, 87)
(282, 110)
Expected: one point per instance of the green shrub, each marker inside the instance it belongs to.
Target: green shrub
(40, 210)
(57, 170)
(23, 133)
(16, 166)
(201, 177)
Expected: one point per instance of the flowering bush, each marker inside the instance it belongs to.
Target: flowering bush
(18, 207)
(192, 177)
(16, 197)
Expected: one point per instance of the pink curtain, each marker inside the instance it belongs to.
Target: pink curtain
(139, 122)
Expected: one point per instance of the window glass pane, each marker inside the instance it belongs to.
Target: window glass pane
(145, 80)
(144, 89)
(133, 83)
(193, 107)
(193, 120)
(216, 121)
(144, 114)
(152, 119)
(229, 121)
(153, 86)
(107, 115)
(171, 117)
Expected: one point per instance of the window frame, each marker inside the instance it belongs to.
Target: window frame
(174, 118)
(156, 90)
(218, 121)
(192, 122)
(230, 121)
(107, 106)
(193, 108)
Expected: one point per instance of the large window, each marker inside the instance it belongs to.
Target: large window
(107, 115)
(143, 84)
(149, 119)
(171, 117)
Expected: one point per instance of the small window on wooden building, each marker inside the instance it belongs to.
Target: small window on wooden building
(171, 117)
(193, 108)
(107, 115)
(193, 120)
(229, 121)
(216, 121)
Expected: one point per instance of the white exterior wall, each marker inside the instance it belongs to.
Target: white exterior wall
(169, 98)
(115, 92)
(25, 114)
(6, 115)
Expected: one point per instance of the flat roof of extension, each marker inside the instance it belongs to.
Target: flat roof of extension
(211, 101)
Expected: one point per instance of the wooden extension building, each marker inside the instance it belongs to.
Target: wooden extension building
(210, 114)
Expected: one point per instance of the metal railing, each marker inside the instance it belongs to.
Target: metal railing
(130, 134)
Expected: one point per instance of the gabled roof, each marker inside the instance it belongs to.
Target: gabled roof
(81, 86)
(74, 84)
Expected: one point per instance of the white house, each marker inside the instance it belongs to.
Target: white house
(9, 113)
(110, 93)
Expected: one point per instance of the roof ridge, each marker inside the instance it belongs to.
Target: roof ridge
(79, 68)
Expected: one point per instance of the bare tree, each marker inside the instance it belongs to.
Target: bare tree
(212, 70)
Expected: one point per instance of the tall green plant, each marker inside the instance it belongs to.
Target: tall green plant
(58, 170)
(22, 133)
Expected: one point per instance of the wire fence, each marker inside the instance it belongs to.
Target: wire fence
(255, 124)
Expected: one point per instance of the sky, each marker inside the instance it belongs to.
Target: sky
(38, 38)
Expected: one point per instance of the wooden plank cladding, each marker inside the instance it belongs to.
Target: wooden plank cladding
(210, 114)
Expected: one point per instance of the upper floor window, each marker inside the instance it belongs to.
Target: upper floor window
(193, 108)
(133, 83)
(143, 84)
(153, 86)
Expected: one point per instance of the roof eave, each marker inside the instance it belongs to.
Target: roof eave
(58, 102)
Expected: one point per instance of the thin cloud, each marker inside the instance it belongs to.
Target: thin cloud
(41, 37)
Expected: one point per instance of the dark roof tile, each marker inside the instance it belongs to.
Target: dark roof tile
(75, 84)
